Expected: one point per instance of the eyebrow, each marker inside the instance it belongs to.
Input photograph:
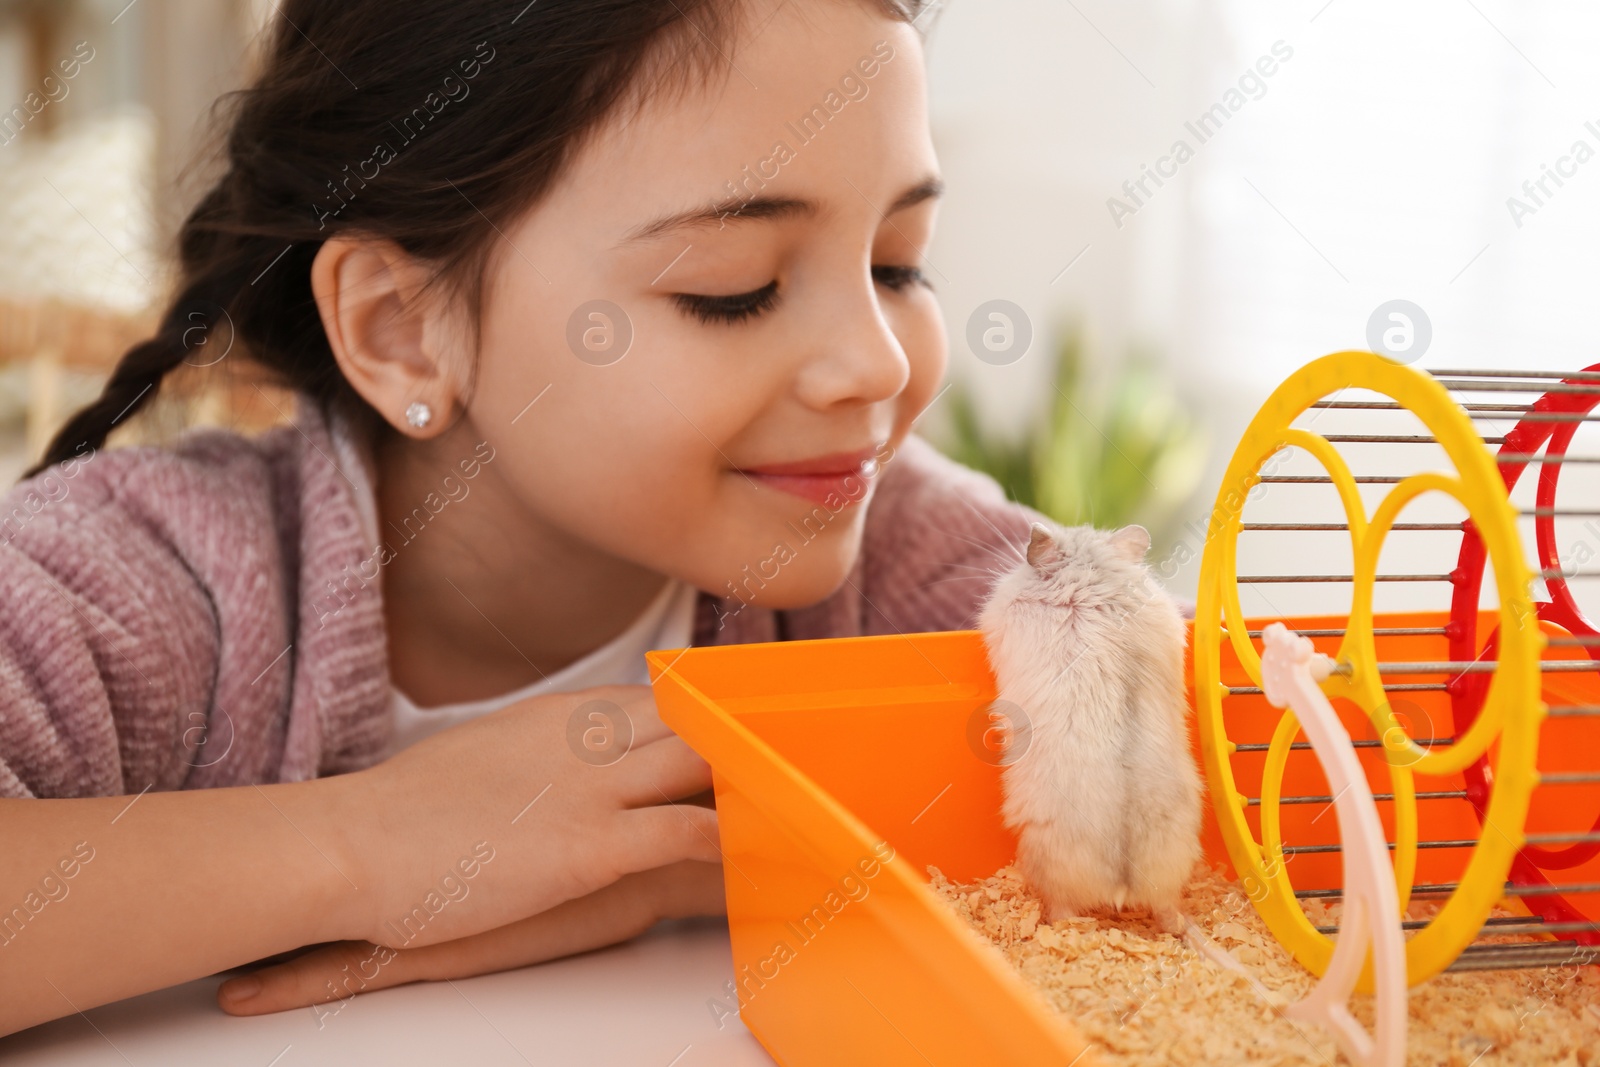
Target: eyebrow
(771, 208)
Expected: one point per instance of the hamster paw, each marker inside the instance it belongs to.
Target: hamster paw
(1054, 912)
(1170, 920)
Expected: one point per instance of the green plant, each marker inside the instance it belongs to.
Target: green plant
(1126, 451)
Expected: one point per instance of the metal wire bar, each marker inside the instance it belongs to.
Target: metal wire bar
(1448, 794)
(1574, 642)
(1540, 457)
(1524, 412)
(1530, 839)
(1573, 375)
(1393, 439)
(1445, 666)
(1574, 711)
(1539, 416)
(1324, 479)
(1574, 952)
(1558, 513)
(1587, 837)
(1380, 631)
(1499, 923)
(1301, 746)
(1338, 894)
(1536, 955)
(1245, 579)
(1289, 579)
(1533, 924)
(1287, 526)
(1295, 850)
(1511, 889)
(1569, 778)
(1390, 405)
(1395, 687)
(1470, 386)
(1546, 890)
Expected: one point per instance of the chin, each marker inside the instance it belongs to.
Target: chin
(803, 590)
(784, 577)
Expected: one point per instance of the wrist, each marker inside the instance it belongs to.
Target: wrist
(336, 815)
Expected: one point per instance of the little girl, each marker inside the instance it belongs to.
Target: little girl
(608, 330)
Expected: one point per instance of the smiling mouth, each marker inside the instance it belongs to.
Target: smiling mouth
(843, 475)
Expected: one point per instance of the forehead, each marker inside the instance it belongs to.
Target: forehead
(809, 100)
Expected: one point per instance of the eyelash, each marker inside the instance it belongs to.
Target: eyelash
(898, 278)
(729, 309)
(742, 306)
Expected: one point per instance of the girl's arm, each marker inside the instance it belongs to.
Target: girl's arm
(322, 979)
(477, 827)
(106, 897)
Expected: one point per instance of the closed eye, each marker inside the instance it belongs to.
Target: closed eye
(739, 307)
(729, 309)
(896, 278)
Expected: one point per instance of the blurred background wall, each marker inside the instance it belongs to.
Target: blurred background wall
(1340, 154)
(102, 130)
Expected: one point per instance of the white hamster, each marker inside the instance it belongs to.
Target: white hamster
(1105, 799)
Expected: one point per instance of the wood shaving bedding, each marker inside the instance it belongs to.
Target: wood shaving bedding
(1145, 998)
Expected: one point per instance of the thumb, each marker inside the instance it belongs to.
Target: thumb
(332, 973)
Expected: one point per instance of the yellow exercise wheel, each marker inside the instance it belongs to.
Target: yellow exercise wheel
(1386, 661)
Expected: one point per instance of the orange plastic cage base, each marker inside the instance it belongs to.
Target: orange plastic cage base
(828, 754)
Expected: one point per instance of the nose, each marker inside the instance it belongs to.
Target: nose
(853, 358)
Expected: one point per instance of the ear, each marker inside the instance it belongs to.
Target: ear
(1043, 551)
(1132, 542)
(394, 343)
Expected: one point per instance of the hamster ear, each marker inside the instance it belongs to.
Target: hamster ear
(1043, 551)
(1132, 542)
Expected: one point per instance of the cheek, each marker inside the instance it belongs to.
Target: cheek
(614, 450)
(620, 456)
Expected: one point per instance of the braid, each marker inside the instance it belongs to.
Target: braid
(132, 385)
(213, 270)
(224, 260)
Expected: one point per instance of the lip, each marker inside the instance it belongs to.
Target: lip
(820, 477)
(840, 463)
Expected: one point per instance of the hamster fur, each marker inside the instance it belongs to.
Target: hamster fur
(1106, 797)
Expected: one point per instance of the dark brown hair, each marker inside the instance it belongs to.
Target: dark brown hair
(467, 110)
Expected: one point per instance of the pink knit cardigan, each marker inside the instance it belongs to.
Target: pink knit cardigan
(165, 620)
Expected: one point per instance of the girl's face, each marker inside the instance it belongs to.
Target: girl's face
(721, 315)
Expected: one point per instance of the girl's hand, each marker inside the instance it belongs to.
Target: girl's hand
(507, 816)
(621, 910)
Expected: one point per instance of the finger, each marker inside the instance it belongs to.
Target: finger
(607, 916)
(694, 888)
(660, 773)
(614, 913)
(706, 798)
(334, 973)
(664, 834)
(637, 704)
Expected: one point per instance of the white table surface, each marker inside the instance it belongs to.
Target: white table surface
(643, 1003)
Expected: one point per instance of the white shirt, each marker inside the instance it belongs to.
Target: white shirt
(668, 622)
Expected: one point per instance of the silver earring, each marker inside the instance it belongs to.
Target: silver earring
(419, 414)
